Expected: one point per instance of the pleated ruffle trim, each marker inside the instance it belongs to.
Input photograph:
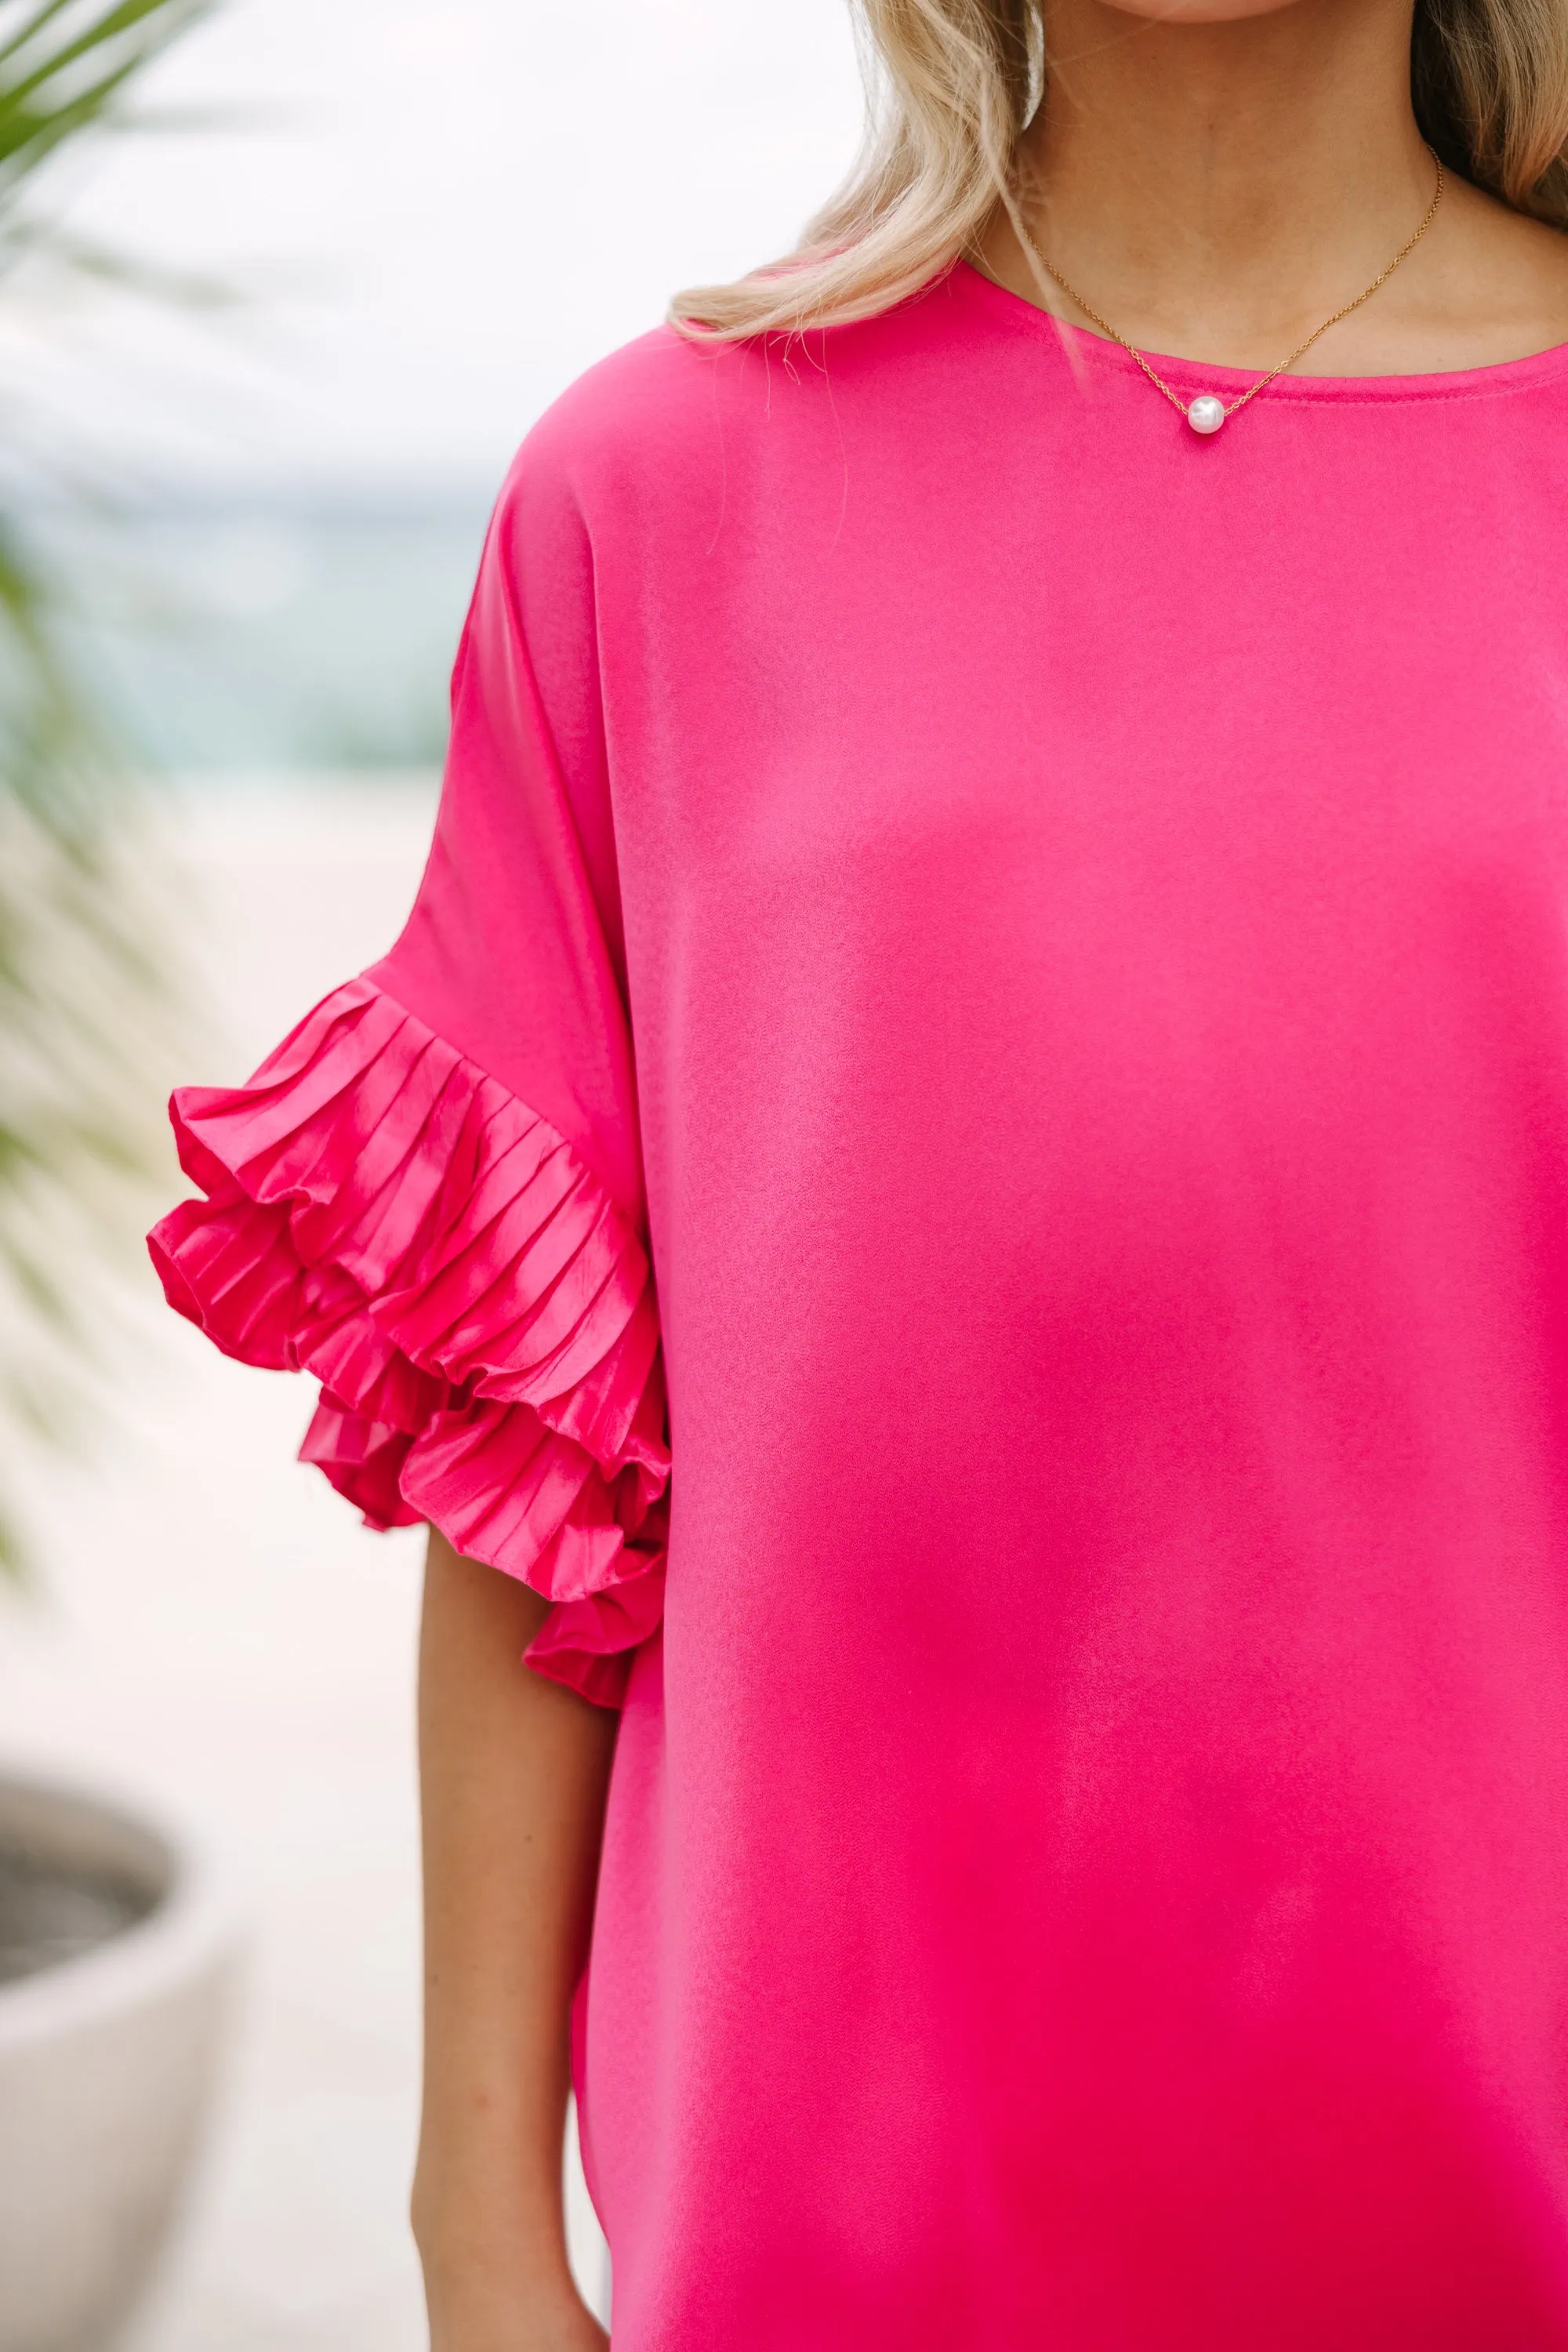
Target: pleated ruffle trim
(481, 1320)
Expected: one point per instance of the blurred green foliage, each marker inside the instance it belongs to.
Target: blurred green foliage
(83, 991)
(65, 65)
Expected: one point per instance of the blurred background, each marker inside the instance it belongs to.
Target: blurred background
(282, 284)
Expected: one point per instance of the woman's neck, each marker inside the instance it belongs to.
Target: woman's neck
(1216, 189)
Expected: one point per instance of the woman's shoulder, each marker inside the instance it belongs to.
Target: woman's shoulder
(635, 408)
(611, 460)
(641, 423)
(620, 437)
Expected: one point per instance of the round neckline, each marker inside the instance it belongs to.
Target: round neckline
(1438, 383)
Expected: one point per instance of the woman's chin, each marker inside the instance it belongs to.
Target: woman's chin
(1199, 12)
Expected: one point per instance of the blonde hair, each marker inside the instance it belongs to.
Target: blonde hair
(951, 84)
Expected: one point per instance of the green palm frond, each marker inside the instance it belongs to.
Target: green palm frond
(83, 991)
(63, 66)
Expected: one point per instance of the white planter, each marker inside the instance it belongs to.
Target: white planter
(107, 2060)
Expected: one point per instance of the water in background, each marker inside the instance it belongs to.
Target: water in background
(265, 635)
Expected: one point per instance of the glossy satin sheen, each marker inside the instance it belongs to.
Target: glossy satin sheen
(1053, 931)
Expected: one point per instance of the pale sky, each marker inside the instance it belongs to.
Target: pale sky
(443, 210)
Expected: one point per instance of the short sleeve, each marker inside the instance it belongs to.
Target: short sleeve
(430, 1195)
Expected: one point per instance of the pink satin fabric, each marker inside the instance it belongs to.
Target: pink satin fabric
(1051, 937)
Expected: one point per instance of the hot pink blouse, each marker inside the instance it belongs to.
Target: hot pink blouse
(1043, 941)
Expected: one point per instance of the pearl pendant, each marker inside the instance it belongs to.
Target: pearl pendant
(1207, 413)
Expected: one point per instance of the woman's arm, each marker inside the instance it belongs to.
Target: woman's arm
(514, 1771)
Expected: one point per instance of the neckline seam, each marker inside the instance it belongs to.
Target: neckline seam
(1491, 380)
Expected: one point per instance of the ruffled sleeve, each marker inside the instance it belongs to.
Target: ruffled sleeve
(429, 1196)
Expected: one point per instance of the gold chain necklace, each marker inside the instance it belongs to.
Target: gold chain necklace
(1207, 413)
